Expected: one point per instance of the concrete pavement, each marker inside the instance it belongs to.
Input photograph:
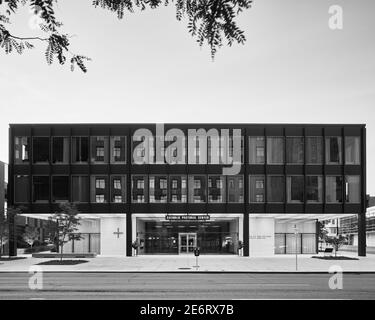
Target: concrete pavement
(207, 263)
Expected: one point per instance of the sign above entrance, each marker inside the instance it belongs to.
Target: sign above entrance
(190, 217)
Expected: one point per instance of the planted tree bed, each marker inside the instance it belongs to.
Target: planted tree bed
(65, 255)
(334, 258)
(61, 263)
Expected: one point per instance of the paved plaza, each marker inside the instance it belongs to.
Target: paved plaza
(207, 263)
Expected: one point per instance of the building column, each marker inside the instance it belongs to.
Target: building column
(362, 234)
(12, 244)
(246, 235)
(129, 235)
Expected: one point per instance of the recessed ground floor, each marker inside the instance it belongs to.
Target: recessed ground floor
(214, 234)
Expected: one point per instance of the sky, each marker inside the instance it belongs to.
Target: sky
(147, 68)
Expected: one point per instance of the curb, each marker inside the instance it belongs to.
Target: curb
(193, 272)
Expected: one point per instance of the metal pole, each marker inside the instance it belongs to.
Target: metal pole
(296, 246)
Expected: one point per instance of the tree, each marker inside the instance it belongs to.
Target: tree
(209, 21)
(30, 236)
(67, 221)
(322, 232)
(337, 242)
(7, 222)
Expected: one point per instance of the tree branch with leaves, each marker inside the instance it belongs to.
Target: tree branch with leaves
(209, 22)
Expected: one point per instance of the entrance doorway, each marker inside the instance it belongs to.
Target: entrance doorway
(186, 242)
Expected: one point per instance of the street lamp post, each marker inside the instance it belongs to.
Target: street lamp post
(296, 244)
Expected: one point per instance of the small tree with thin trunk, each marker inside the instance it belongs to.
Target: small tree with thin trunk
(6, 222)
(67, 225)
(30, 236)
(337, 242)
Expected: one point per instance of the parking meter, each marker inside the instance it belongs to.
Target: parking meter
(196, 251)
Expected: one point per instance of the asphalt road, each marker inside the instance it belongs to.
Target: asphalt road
(185, 286)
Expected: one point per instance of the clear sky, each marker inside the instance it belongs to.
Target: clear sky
(147, 68)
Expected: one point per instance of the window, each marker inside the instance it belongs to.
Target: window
(118, 150)
(139, 189)
(314, 150)
(99, 149)
(334, 192)
(216, 189)
(41, 189)
(314, 189)
(40, 149)
(60, 150)
(275, 189)
(178, 190)
(197, 189)
(235, 189)
(21, 150)
(275, 150)
(353, 150)
(99, 189)
(118, 194)
(60, 188)
(257, 191)
(294, 150)
(333, 150)
(143, 150)
(80, 189)
(158, 189)
(353, 189)
(295, 189)
(21, 189)
(256, 150)
(80, 149)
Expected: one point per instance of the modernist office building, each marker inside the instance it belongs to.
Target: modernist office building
(169, 188)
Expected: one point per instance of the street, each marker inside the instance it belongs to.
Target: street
(186, 286)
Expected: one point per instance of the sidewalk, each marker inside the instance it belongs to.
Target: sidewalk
(208, 263)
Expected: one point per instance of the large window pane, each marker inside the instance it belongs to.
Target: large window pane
(352, 150)
(197, 189)
(118, 187)
(333, 150)
(41, 189)
(275, 150)
(257, 146)
(118, 149)
(139, 189)
(21, 187)
(80, 149)
(21, 150)
(158, 189)
(216, 189)
(41, 149)
(257, 189)
(99, 149)
(314, 189)
(334, 192)
(60, 150)
(99, 189)
(295, 189)
(178, 189)
(275, 189)
(60, 188)
(235, 189)
(314, 150)
(80, 189)
(294, 150)
(353, 189)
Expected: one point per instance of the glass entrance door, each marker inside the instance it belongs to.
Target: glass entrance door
(186, 242)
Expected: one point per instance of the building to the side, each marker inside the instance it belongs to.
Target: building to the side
(262, 187)
(3, 198)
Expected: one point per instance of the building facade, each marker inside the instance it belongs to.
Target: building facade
(226, 188)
